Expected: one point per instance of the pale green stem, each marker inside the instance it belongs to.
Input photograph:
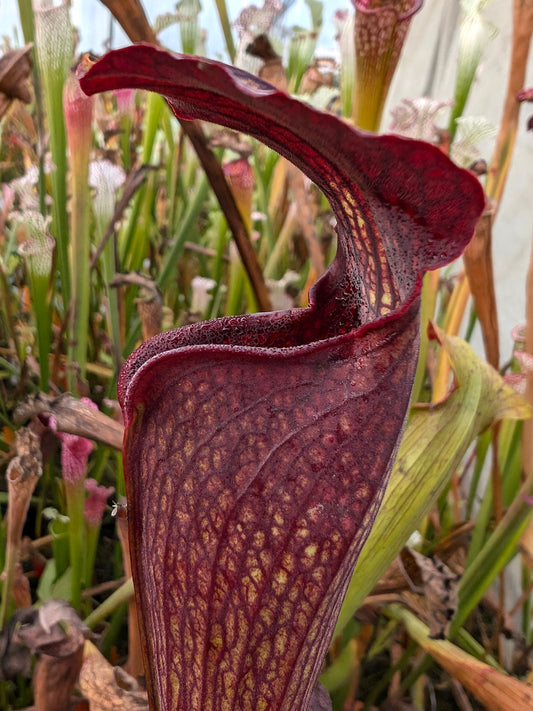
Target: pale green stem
(120, 596)
(235, 285)
(38, 252)
(189, 27)
(342, 669)
(27, 22)
(75, 496)
(271, 267)
(53, 40)
(91, 544)
(495, 554)
(347, 69)
(186, 224)
(226, 28)
(427, 312)
(135, 235)
(43, 317)
(109, 268)
(474, 34)
(80, 247)
(59, 530)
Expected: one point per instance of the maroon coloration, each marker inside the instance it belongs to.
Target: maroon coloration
(402, 9)
(258, 447)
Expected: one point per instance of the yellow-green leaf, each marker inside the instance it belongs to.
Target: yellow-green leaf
(434, 442)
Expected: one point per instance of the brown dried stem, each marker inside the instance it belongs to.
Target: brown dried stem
(22, 475)
(149, 303)
(478, 266)
(56, 672)
(501, 160)
(15, 69)
(108, 688)
(73, 416)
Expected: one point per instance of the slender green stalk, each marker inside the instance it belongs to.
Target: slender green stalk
(75, 496)
(235, 283)
(271, 269)
(226, 28)
(301, 50)
(186, 225)
(303, 44)
(427, 313)
(343, 667)
(263, 175)
(39, 285)
(113, 311)
(474, 34)
(347, 69)
(53, 41)
(106, 179)
(189, 26)
(134, 237)
(59, 529)
(483, 444)
(94, 507)
(91, 544)
(26, 20)
(37, 252)
(219, 244)
(509, 461)
(114, 630)
(120, 596)
(498, 550)
(481, 527)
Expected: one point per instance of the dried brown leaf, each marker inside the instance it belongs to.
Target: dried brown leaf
(73, 416)
(439, 587)
(56, 673)
(15, 68)
(494, 689)
(109, 688)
